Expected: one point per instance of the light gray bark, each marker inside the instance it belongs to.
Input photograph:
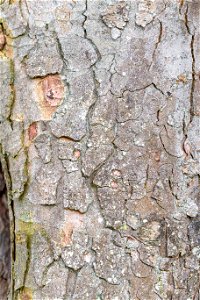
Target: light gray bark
(100, 144)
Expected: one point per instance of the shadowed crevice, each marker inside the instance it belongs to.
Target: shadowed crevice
(5, 269)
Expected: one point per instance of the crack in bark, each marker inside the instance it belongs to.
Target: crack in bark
(160, 136)
(181, 3)
(61, 51)
(5, 167)
(142, 89)
(86, 35)
(186, 20)
(5, 262)
(26, 163)
(71, 283)
(193, 79)
(28, 247)
(157, 43)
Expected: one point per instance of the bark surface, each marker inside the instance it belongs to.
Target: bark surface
(100, 147)
(4, 240)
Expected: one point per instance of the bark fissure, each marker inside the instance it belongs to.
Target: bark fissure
(7, 177)
(160, 34)
(186, 20)
(5, 255)
(71, 284)
(193, 79)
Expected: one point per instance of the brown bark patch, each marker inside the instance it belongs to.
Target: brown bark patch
(32, 131)
(51, 92)
(2, 40)
(26, 294)
(147, 207)
(181, 79)
(74, 221)
(116, 15)
(156, 155)
(66, 234)
(77, 154)
(6, 48)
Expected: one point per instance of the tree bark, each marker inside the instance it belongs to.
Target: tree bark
(4, 240)
(100, 147)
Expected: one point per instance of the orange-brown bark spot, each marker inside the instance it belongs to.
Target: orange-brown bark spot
(25, 297)
(74, 220)
(6, 41)
(156, 156)
(146, 207)
(181, 78)
(181, 2)
(63, 16)
(51, 92)
(2, 40)
(26, 294)
(77, 154)
(8, 47)
(114, 185)
(66, 234)
(32, 131)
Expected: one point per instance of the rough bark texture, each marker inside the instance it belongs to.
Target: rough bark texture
(100, 146)
(4, 240)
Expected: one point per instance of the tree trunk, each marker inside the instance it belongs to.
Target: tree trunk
(100, 148)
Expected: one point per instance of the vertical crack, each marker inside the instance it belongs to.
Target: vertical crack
(181, 2)
(85, 32)
(193, 79)
(193, 59)
(12, 220)
(7, 232)
(186, 20)
(28, 247)
(71, 284)
(184, 14)
(5, 262)
(157, 43)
